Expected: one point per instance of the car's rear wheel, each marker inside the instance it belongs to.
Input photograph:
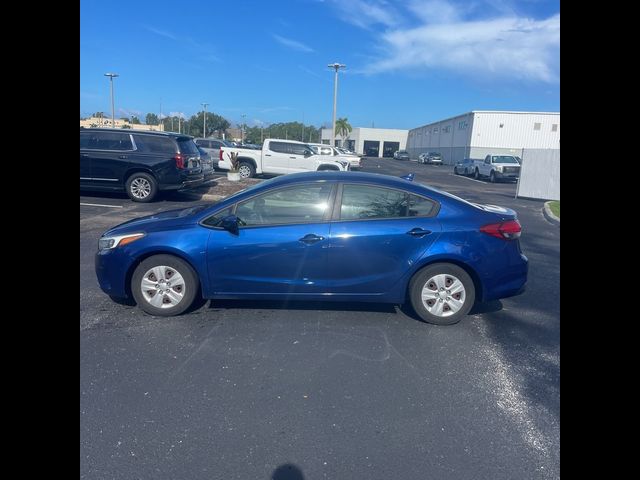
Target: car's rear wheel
(455, 170)
(442, 293)
(476, 174)
(246, 170)
(164, 285)
(141, 187)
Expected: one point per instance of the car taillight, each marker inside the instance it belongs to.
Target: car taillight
(509, 230)
(220, 154)
(179, 158)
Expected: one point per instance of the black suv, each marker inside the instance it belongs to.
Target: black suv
(142, 163)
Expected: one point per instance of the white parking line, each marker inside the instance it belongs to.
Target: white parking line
(100, 205)
(468, 178)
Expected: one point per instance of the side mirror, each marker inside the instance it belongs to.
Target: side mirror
(307, 153)
(231, 223)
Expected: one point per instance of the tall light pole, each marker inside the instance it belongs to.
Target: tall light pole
(336, 66)
(242, 130)
(204, 114)
(113, 110)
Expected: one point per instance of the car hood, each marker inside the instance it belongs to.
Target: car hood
(158, 221)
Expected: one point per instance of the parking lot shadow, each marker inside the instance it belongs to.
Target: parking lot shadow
(300, 305)
(287, 471)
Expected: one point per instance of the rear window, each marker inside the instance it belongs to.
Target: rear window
(203, 143)
(280, 147)
(155, 144)
(187, 146)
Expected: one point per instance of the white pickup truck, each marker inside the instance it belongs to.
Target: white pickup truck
(279, 156)
(498, 167)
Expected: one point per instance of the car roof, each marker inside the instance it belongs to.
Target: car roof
(136, 132)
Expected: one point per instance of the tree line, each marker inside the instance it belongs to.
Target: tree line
(216, 125)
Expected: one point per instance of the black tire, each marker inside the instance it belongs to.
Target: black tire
(455, 170)
(141, 187)
(492, 177)
(190, 288)
(248, 169)
(476, 174)
(419, 282)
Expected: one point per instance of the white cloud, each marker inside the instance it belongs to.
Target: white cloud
(162, 33)
(507, 46)
(293, 44)
(367, 14)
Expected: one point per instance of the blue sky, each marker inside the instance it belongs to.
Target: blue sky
(408, 62)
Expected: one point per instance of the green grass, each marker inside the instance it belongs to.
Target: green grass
(555, 208)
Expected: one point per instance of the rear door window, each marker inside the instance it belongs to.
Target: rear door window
(280, 147)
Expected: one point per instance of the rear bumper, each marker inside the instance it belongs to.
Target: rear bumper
(509, 283)
(186, 182)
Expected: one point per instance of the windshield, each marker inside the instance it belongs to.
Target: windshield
(505, 159)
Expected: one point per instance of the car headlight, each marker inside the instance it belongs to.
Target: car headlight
(108, 243)
(499, 169)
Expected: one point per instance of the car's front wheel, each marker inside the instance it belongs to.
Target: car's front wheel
(141, 187)
(492, 177)
(442, 293)
(476, 174)
(164, 285)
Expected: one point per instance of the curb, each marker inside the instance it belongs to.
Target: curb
(548, 214)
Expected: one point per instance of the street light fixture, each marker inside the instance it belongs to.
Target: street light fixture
(113, 111)
(204, 114)
(336, 66)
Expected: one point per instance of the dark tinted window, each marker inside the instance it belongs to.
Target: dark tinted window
(216, 144)
(420, 206)
(84, 139)
(303, 204)
(280, 147)
(364, 201)
(110, 141)
(187, 146)
(155, 144)
(297, 149)
(203, 143)
(215, 219)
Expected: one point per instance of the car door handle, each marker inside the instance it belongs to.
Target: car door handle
(123, 156)
(267, 154)
(293, 157)
(418, 232)
(311, 238)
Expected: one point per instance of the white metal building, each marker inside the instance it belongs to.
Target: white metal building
(372, 142)
(482, 132)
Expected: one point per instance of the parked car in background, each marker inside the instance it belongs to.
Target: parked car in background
(401, 155)
(141, 163)
(212, 147)
(352, 158)
(466, 166)
(432, 158)
(498, 167)
(280, 156)
(322, 236)
(207, 163)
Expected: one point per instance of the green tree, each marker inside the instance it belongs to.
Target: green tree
(135, 120)
(215, 123)
(343, 129)
(126, 126)
(98, 114)
(152, 119)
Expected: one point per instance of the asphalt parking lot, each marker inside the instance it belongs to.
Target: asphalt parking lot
(240, 390)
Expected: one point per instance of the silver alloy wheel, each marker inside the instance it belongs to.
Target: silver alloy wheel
(162, 287)
(443, 295)
(245, 171)
(140, 187)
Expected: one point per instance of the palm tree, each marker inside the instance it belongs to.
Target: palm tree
(343, 129)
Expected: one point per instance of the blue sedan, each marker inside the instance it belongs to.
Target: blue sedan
(341, 236)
